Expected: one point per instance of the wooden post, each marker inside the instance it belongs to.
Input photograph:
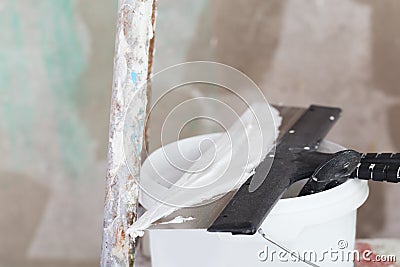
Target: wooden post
(131, 69)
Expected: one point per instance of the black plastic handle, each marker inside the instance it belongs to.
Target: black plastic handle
(384, 167)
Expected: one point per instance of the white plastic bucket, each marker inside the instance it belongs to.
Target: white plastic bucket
(319, 228)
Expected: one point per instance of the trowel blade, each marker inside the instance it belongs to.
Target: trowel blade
(205, 215)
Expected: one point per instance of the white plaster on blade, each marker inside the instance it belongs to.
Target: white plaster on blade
(258, 144)
(178, 219)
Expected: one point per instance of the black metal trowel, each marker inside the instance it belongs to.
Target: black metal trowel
(296, 158)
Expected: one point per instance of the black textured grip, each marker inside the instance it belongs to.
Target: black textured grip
(392, 172)
(379, 167)
(379, 173)
(382, 158)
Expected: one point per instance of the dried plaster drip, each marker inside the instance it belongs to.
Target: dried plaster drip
(134, 33)
(176, 220)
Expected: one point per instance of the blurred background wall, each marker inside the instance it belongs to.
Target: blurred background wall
(56, 60)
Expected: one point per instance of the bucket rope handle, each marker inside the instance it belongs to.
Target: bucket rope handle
(261, 232)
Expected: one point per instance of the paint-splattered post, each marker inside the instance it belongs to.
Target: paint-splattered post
(133, 52)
